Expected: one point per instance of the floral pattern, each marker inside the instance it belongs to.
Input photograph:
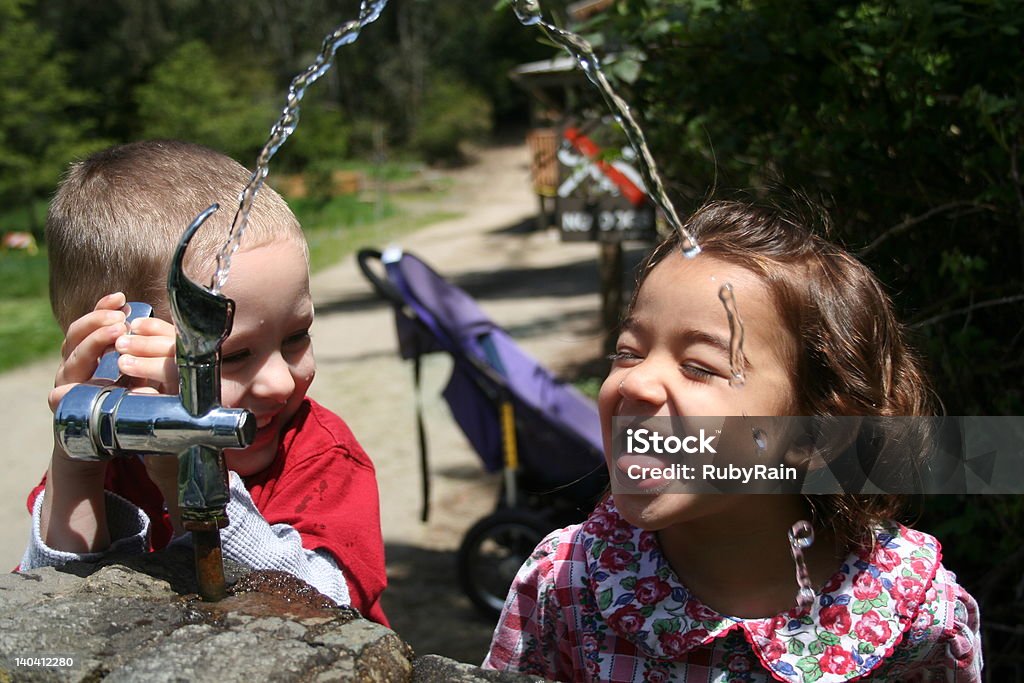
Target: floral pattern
(880, 614)
(871, 602)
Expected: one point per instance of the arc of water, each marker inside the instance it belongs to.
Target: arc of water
(737, 361)
(529, 14)
(346, 34)
(801, 537)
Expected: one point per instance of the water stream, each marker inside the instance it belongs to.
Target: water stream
(760, 441)
(801, 537)
(529, 14)
(345, 34)
(737, 362)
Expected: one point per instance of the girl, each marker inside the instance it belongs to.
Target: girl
(666, 586)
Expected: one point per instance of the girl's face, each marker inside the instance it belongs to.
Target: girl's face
(672, 359)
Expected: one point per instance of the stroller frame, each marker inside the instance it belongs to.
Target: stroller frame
(530, 504)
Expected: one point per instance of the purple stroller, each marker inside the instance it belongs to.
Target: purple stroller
(544, 435)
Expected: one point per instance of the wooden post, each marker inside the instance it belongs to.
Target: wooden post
(610, 266)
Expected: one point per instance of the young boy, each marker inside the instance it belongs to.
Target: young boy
(303, 494)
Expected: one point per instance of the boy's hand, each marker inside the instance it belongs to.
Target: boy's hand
(146, 348)
(147, 355)
(73, 516)
(88, 338)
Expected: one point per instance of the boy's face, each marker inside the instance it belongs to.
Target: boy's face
(268, 360)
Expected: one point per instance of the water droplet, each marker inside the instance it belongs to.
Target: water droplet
(760, 441)
(529, 14)
(527, 11)
(688, 251)
(805, 597)
(801, 537)
(736, 359)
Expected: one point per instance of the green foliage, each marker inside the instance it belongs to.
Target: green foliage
(192, 96)
(452, 113)
(906, 117)
(28, 328)
(29, 331)
(218, 73)
(322, 136)
(37, 135)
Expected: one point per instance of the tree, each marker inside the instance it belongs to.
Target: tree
(190, 96)
(452, 113)
(39, 128)
(905, 116)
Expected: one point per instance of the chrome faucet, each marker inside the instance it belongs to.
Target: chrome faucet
(101, 420)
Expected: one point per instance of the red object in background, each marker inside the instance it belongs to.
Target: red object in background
(589, 149)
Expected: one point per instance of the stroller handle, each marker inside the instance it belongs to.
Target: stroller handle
(384, 287)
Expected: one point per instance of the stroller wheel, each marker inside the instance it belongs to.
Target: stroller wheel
(493, 551)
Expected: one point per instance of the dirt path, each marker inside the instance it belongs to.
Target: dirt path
(542, 291)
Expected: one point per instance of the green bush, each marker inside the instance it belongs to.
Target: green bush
(452, 114)
(322, 136)
(907, 117)
(41, 122)
(192, 95)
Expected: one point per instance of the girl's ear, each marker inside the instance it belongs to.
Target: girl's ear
(824, 453)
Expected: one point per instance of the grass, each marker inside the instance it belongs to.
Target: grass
(28, 330)
(327, 247)
(389, 171)
(334, 228)
(343, 224)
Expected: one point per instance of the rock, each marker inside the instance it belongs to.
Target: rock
(434, 668)
(138, 618)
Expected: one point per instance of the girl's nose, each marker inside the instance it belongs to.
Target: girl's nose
(274, 380)
(644, 383)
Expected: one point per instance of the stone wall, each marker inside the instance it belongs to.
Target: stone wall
(138, 619)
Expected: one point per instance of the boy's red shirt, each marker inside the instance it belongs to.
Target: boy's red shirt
(321, 483)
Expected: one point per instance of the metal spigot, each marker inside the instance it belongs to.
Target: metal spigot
(203, 320)
(101, 420)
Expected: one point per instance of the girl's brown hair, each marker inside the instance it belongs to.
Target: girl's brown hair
(852, 356)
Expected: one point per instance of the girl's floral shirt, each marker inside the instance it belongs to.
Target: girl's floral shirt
(599, 602)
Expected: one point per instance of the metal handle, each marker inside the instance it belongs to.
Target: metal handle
(107, 368)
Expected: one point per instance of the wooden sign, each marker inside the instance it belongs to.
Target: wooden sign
(600, 199)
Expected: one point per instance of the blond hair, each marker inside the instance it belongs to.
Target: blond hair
(118, 215)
